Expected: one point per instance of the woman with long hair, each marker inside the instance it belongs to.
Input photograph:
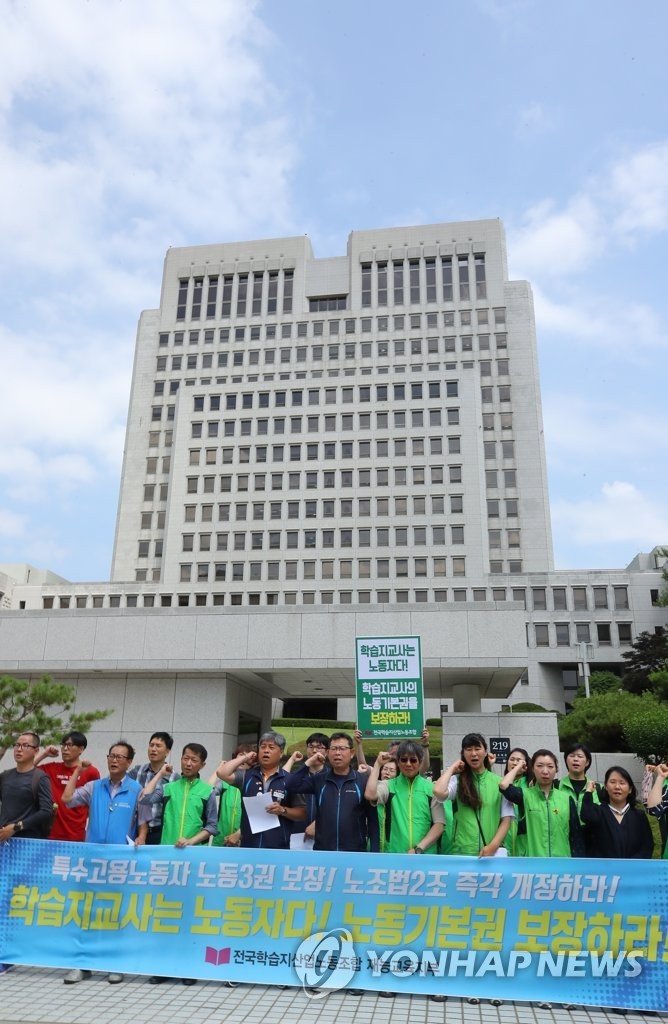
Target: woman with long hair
(616, 827)
(552, 823)
(482, 816)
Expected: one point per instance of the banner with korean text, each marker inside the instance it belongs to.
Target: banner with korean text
(389, 686)
(577, 931)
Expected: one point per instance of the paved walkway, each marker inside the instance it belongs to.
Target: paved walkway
(31, 995)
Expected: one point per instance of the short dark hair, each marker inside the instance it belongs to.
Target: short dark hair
(318, 737)
(572, 747)
(165, 737)
(77, 738)
(130, 750)
(196, 748)
(342, 736)
(35, 738)
(409, 748)
(544, 752)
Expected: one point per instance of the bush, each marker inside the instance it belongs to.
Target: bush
(434, 721)
(525, 707)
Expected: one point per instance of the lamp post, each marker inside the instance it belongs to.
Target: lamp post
(586, 654)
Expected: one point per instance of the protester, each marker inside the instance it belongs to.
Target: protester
(257, 774)
(229, 807)
(416, 820)
(516, 840)
(112, 815)
(159, 748)
(552, 822)
(482, 816)
(342, 813)
(69, 823)
(616, 827)
(26, 802)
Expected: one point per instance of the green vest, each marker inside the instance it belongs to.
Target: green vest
(516, 839)
(467, 840)
(229, 813)
(548, 822)
(183, 816)
(410, 813)
(567, 786)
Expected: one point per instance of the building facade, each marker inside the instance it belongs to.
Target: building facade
(330, 447)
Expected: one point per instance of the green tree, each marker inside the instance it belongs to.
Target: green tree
(598, 721)
(649, 653)
(601, 682)
(646, 726)
(44, 707)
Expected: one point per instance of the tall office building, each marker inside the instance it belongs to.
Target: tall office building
(319, 449)
(363, 429)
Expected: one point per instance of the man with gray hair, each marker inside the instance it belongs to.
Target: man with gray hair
(259, 774)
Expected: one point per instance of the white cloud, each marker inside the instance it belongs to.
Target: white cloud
(589, 427)
(115, 146)
(124, 128)
(556, 243)
(619, 514)
(629, 328)
(639, 190)
(11, 525)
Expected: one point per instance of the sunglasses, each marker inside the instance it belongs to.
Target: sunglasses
(409, 760)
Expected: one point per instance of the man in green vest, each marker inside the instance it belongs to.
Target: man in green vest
(190, 815)
(416, 820)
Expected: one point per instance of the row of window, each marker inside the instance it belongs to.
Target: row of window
(583, 630)
(361, 537)
(420, 475)
(344, 508)
(350, 325)
(327, 479)
(560, 634)
(427, 279)
(330, 423)
(222, 296)
(579, 598)
(364, 449)
(327, 396)
(350, 350)
(361, 568)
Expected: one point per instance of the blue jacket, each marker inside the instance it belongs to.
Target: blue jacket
(251, 782)
(342, 814)
(111, 819)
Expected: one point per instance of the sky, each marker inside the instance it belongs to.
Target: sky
(127, 126)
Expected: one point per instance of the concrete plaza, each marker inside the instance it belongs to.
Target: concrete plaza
(31, 995)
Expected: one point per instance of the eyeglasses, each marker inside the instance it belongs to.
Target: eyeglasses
(409, 760)
(339, 750)
(318, 746)
(69, 744)
(25, 746)
(117, 757)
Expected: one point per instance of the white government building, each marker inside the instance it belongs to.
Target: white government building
(318, 449)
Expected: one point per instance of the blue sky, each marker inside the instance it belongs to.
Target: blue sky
(126, 127)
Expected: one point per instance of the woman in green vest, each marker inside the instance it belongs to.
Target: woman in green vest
(482, 816)
(416, 819)
(516, 840)
(390, 770)
(552, 822)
